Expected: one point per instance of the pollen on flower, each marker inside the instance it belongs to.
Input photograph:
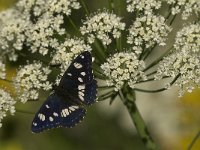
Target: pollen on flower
(123, 67)
(147, 31)
(6, 104)
(143, 5)
(184, 60)
(30, 79)
(101, 26)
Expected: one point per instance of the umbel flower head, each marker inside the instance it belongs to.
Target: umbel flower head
(183, 60)
(6, 104)
(124, 67)
(129, 47)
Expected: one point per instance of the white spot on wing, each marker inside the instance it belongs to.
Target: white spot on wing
(35, 124)
(80, 93)
(83, 73)
(75, 107)
(69, 74)
(55, 114)
(81, 87)
(80, 79)
(82, 56)
(71, 108)
(65, 112)
(41, 117)
(50, 119)
(47, 106)
(81, 97)
(77, 65)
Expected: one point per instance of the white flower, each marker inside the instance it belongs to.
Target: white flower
(52, 6)
(39, 36)
(143, 5)
(32, 25)
(6, 105)
(123, 67)
(101, 26)
(30, 79)
(13, 25)
(184, 60)
(147, 31)
(186, 6)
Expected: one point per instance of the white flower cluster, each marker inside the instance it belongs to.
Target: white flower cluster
(38, 7)
(30, 79)
(147, 31)
(2, 70)
(67, 50)
(186, 6)
(33, 25)
(143, 5)
(184, 60)
(124, 67)
(101, 26)
(13, 25)
(6, 104)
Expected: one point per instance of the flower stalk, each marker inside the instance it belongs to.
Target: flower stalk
(129, 101)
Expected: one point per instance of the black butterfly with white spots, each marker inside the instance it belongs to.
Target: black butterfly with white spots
(65, 106)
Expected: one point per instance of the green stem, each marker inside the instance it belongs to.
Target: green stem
(85, 7)
(152, 73)
(24, 111)
(106, 95)
(193, 141)
(158, 90)
(174, 17)
(110, 3)
(74, 26)
(150, 79)
(149, 52)
(33, 57)
(157, 60)
(105, 87)
(101, 55)
(139, 123)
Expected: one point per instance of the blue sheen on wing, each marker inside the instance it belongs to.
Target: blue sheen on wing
(56, 112)
(64, 107)
(79, 72)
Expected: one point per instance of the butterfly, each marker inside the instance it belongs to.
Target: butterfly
(65, 106)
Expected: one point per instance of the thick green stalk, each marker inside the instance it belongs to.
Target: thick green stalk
(140, 126)
(129, 102)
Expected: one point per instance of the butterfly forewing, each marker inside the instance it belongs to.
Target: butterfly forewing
(79, 80)
(79, 72)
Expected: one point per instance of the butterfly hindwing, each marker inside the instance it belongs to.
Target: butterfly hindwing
(71, 114)
(50, 109)
(56, 112)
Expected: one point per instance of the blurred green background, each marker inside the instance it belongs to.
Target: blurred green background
(172, 121)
